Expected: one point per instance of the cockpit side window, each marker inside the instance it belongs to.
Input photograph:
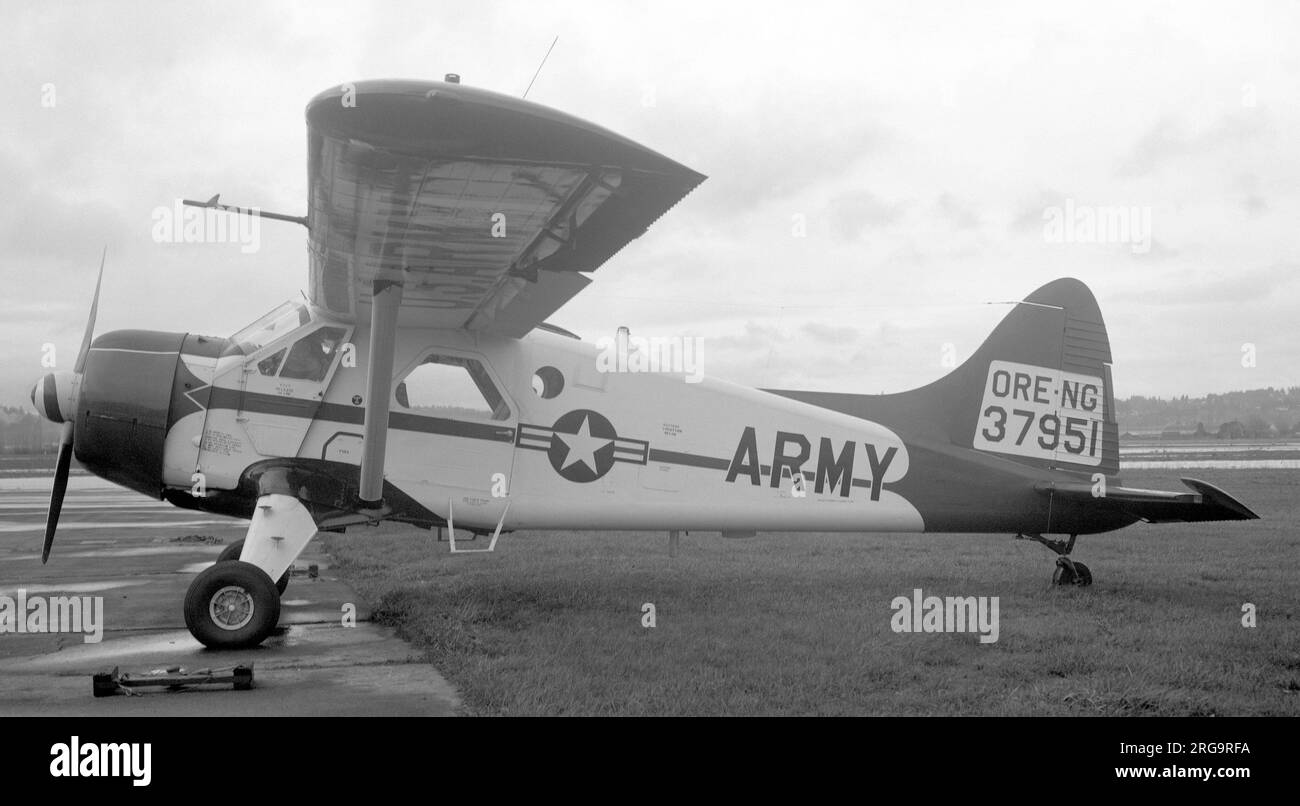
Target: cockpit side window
(311, 356)
(271, 364)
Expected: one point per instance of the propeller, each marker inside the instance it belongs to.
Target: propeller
(66, 437)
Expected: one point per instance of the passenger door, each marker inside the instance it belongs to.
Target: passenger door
(451, 438)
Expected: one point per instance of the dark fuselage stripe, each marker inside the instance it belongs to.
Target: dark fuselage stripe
(688, 459)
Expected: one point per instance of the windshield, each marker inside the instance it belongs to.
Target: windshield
(288, 316)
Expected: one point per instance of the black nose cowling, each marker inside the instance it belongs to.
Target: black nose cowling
(122, 410)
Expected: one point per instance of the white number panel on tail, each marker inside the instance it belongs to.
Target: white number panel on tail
(1042, 413)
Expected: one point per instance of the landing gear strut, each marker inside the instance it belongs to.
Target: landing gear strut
(1068, 572)
(232, 552)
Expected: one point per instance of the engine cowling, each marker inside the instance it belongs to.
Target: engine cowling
(123, 405)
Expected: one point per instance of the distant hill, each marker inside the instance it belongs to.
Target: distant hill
(1257, 413)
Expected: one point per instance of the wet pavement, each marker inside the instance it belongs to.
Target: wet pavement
(139, 555)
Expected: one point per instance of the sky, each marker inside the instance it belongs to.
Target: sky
(883, 177)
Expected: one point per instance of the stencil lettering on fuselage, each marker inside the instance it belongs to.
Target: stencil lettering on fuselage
(834, 471)
(1041, 413)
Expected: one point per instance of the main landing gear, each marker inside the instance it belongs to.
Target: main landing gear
(235, 604)
(1068, 572)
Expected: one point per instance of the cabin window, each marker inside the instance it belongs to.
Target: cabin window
(548, 382)
(453, 387)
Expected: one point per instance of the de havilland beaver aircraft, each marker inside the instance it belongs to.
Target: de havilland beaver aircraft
(420, 382)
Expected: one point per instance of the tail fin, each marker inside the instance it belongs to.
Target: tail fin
(1038, 391)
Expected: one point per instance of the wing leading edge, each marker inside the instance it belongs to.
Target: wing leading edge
(487, 208)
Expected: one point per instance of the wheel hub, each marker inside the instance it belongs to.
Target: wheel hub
(231, 608)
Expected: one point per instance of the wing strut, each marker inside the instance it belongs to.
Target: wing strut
(386, 301)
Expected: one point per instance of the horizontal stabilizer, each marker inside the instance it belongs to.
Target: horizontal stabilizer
(1205, 503)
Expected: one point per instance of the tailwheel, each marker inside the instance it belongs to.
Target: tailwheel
(233, 551)
(232, 605)
(1068, 572)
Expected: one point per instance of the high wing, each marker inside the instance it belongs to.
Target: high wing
(487, 209)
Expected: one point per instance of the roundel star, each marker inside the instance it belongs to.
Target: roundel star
(582, 446)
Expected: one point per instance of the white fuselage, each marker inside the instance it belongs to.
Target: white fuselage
(681, 455)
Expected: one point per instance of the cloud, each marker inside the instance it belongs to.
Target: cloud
(1253, 203)
(918, 202)
(958, 214)
(1170, 138)
(771, 152)
(1230, 285)
(36, 220)
(1028, 216)
(853, 215)
(831, 334)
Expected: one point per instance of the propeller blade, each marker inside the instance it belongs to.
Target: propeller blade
(90, 323)
(65, 439)
(60, 487)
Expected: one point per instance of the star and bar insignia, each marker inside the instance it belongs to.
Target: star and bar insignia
(582, 445)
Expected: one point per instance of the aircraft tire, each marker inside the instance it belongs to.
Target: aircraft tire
(1063, 575)
(233, 551)
(1079, 575)
(232, 605)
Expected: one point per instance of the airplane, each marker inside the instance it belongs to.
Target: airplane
(419, 381)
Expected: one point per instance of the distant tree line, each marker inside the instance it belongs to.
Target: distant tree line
(26, 432)
(1252, 414)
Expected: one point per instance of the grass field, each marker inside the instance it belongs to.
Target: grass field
(800, 624)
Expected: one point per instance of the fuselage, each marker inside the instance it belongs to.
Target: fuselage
(542, 432)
